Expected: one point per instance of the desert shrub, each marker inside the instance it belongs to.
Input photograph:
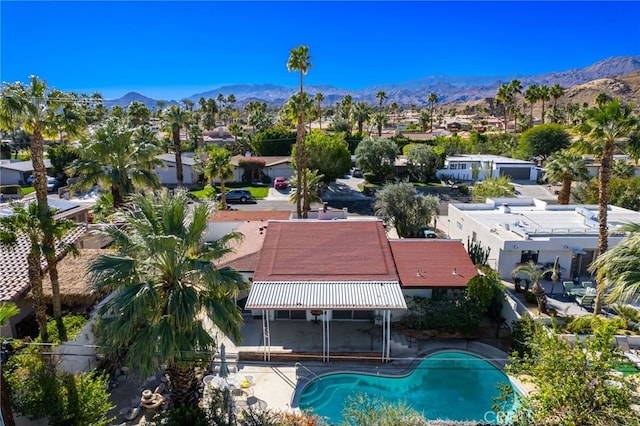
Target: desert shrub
(11, 190)
(65, 399)
(464, 190)
(72, 325)
(530, 297)
(522, 334)
(453, 315)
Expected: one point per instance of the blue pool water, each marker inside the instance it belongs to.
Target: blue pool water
(447, 385)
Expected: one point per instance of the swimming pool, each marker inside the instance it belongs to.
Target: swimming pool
(447, 385)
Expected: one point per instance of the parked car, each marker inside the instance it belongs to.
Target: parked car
(241, 195)
(52, 183)
(356, 172)
(280, 183)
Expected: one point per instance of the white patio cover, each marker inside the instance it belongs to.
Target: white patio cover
(357, 295)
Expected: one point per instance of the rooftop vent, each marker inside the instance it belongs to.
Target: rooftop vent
(504, 208)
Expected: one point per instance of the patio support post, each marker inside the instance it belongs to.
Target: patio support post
(266, 336)
(388, 335)
(325, 336)
(384, 334)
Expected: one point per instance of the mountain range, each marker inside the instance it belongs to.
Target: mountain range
(450, 89)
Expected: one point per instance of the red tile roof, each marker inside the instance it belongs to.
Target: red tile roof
(246, 215)
(431, 263)
(307, 250)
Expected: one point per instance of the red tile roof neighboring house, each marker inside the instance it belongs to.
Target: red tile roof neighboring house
(347, 250)
(14, 279)
(245, 215)
(432, 263)
(246, 252)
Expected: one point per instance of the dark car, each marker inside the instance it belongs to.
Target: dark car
(241, 195)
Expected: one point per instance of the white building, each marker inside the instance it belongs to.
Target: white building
(477, 167)
(518, 230)
(167, 174)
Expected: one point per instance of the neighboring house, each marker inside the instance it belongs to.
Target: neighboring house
(274, 166)
(519, 230)
(167, 174)
(593, 167)
(16, 172)
(425, 265)
(480, 166)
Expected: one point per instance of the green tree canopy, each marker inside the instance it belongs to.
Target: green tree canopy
(492, 187)
(543, 140)
(400, 205)
(376, 156)
(328, 154)
(276, 140)
(422, 162)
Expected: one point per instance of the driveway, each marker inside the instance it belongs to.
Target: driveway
(345, 189)
(532, 190)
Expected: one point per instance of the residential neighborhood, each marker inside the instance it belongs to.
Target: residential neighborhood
(215, 263)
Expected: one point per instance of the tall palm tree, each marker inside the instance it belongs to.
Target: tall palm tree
(32, 105)
(531, 96)
(177, 118)
(166, 287)
(544, 95)
(7, 310)
(424, 118)
(503, 96)
(218, 165)
(535, 274)
(619, 268)
(515, 88)
(556, 91)
(381, 95)
(319, 98)
(379, 120)
(110, 158)
(433, 100)
(25, 222)
(315, 184)
(565, 168)
(360, 114)
(606, 125)
(138, 113)
(300, 60)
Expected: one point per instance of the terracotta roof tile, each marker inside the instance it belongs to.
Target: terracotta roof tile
(246, 215)
(431, 263)
(309, 250)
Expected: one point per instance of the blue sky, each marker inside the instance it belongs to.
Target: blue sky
(166, 49)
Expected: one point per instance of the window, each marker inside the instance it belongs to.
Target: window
(459, 225)
(529, 255)
(474, 236)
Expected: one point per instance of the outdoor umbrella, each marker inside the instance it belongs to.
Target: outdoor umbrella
(224, 368)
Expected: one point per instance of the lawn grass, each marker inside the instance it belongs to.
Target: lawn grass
(257, 191)
(28, 190)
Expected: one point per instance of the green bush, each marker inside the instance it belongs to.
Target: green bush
(530, 297)
(11, 190)
(463, 189)
(72, 325)
(455, 315)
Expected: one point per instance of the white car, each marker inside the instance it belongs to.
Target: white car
(52, 183)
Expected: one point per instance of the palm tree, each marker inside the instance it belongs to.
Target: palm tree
(138, 113)
(360, 114)
(424, 118)
(25, 222)
(218, 166)
(110, 158)
(381, 95)
(299, 60)
(7, 310)
(556, 91)
(606, 125)
(379, 120)
(32, 106)
(166, 288)
(319, 98)
(565, 168)
(544, 95)
(503, 96)
(433, 100)
(63, 115)
(315, 184)
(515, 88)
(619, 268)
(531, 96)
(535, 274)
(177, 119)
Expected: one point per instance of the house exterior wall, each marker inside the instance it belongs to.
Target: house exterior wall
(168, 176)
(285, 170)
(463, 170)
(506, 253)
(10, 177)
(417, 292)
(217, 230)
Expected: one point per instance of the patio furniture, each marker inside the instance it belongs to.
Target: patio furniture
(588, 284)
(567, 286)
(586, 300)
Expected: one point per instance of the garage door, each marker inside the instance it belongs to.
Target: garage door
(516, 173)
